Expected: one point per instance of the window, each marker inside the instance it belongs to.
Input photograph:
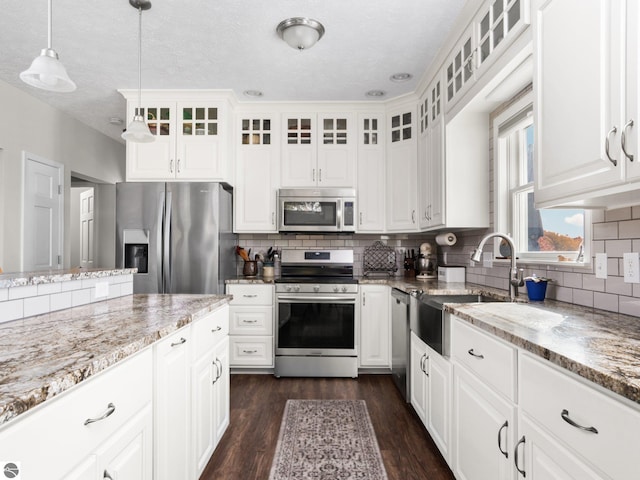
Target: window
(545, 235)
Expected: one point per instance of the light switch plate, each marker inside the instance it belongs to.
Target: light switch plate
(631, 262)
(601, 265)
(102, 290)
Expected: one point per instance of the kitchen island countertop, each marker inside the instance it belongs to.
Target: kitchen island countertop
(44, 355)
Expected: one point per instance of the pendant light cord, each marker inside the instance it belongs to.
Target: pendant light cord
(139, 60)
(50, 29)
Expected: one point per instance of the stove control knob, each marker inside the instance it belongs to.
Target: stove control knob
(288, 288)
(336, 289)
(296, 288)
(344, 289)
(316, 288)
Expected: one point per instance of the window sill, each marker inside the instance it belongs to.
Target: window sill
(545, 261)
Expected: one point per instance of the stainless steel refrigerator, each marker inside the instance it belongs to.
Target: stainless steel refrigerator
(178, 235)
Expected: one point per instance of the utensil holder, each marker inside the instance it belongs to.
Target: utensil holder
(250, 268)
(536, 290)
(268, 271)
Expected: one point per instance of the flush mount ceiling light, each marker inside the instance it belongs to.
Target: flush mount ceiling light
(375, 93)
(400, 77)
(46, 71)
(300, 32)
(252, 93)
(138, 131)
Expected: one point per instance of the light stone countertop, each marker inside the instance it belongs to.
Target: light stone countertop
(45, 355)
(21, 279)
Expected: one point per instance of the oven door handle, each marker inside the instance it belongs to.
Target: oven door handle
(316, 299)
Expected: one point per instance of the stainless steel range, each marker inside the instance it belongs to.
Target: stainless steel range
(316, 315)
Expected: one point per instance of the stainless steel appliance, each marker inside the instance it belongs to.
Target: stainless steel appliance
(401, 341)
(178, 235)
(316, 315)
(317, 210)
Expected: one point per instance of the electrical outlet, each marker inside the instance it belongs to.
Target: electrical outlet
(487, 259)
(601, 265)
(101, 290)
(631, 263)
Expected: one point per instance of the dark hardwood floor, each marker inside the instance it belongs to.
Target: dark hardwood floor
(257, 405)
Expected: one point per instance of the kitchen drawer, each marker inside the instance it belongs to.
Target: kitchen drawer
(53, 437)
(251, 351)
(492, 360)
(209, 330)
(251, 321)
(545, 392)
(251, 294)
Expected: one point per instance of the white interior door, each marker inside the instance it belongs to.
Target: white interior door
(42, 214)
(87, 228)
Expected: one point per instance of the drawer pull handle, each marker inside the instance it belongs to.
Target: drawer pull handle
(250, 296)
(504, 452)
(250, 352)
(606, 146)
(566, 418)
(217, 329)
(218, 362)
(249, 321)
(623, 140)
(215, 364)
(423, 362)
(474, 354)
(110, 409)
(106, 476)
(179, 342)
(515, 457)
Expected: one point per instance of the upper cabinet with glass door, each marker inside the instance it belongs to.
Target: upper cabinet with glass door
(496, 25)
(190, 138)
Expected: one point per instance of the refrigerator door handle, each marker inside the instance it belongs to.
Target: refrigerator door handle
(159, 240)
(166, 263)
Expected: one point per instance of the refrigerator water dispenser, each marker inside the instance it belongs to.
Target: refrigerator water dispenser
(136, 250)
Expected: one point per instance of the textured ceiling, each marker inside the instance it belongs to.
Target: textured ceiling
(222, 44)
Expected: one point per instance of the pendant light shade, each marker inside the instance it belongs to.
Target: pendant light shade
(138, 130)
(46, 71)
(300, 32)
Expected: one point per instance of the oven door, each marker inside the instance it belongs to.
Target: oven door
(316, 325)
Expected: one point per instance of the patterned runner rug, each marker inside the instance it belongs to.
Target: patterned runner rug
(327, 440)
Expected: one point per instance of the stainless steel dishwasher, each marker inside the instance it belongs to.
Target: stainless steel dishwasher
(401, 341)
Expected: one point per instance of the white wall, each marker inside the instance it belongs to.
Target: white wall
(28, 124)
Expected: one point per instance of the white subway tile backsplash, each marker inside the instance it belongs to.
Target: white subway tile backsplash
(629, 229)
(11, 310)
(629, 306)
(60, 301)
(617, 214)
(23, 292)
(618, 286)
(616, 248)
(590, 282)
(4, 294)
(36, 305)
(605, 231)
(573, 280)
(114, 290)
(80, 297)
(126, 289)
(48, 288)
(583, 297)
(605, 301)
(71, 285)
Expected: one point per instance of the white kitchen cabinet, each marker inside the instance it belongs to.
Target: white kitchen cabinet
(251, 326)
(431, 393)
(375, 326)
(221, 390)
(586, 101)
(257, 175)
(191, 139)
(460, 68)
(172, 407)
(431, 158)
(318, 149)
(371, 173)
(402, 170)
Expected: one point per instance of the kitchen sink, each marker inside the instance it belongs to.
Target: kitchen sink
(438, 300)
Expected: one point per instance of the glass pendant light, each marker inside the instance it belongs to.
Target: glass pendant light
(138, 130)
(46, 71)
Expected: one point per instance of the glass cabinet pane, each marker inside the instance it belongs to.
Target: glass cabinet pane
(406, 118)
(266, 124)
(514, 14)
(266, 138)
(395, 121)
(328, 124)
(164, 114)
(199, 113)
(213, 113)
(187, 128)
(497, 8)
(498, 34)
(341, 124)
(484, 26)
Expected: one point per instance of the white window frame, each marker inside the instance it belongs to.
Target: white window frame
(504, 214)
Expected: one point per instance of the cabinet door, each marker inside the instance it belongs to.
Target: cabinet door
(439, 401)
(577, 98)
(632, 90)
(128, 454)
(436, 207)
(221, 389)
(371, 173)
(203, 440)
(424, 175)
(172, 406)
(198, 138)
(540, 457)
(479, 418)
(87, 470)
(460, 67)
(419, 378)
(402, 170)
(336, 151)
(257, 177)
(375, 326)
(299, 154)
(155, 160)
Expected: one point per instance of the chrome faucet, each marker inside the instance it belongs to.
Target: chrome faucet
(515, 276)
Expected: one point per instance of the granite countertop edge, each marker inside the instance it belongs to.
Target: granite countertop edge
(22, 279)
(12, 406)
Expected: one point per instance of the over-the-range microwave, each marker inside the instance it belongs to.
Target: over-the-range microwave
(317, 210)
